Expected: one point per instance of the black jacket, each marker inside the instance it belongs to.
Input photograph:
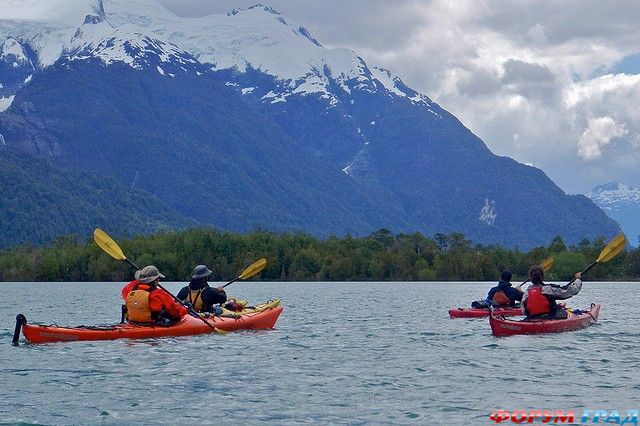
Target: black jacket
(210, 296)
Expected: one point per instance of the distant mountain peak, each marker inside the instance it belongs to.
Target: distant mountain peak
(268, 9)
(620, 202)
(98, 8)
(612, 193)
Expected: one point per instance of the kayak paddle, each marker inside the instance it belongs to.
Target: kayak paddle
(106, 243)
(545, 265)
(249, 271)
(610, 251)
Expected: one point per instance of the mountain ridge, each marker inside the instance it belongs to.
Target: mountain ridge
(300, 136)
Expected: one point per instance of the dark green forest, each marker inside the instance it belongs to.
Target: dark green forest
(381, 256)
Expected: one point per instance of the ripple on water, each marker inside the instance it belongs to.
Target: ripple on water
(372, 366)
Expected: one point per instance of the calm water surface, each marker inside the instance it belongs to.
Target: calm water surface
(341, 353)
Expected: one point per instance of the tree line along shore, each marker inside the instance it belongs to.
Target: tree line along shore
(380, 256)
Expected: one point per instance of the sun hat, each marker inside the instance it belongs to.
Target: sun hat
(149, 274)
(201, 271)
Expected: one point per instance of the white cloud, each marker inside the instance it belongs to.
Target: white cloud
(597, 135)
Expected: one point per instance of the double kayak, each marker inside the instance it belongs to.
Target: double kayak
(575, 321)
(481, 313)
(259, 317)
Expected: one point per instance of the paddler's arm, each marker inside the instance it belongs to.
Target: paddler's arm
(565, 291)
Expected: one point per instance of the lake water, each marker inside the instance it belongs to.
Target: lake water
(341, 353)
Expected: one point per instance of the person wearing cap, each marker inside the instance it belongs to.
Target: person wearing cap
(199, 294)
(146, 302)
(539, 301)
(504, 294)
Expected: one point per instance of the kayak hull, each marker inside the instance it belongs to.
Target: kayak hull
(482, 313)
(503, 327)
(258, 320)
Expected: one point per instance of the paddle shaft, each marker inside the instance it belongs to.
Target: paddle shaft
(519, 287)
(231, 282)
(584, 272)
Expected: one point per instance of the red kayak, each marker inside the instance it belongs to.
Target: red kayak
(481, 313)
(263, 317)
(575, 321)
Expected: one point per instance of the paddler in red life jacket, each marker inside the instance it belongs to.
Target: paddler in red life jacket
(539, 301)
(504, 294)
(146, 303)
(200, 295)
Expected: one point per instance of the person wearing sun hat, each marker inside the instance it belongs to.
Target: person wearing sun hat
(146, 302)
(200, 294)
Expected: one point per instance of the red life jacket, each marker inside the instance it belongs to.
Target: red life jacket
(537, 303)
(500, 299)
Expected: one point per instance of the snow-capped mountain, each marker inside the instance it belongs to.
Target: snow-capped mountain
(257, 38)
(264, 122)
(613, 195)
(621, 203)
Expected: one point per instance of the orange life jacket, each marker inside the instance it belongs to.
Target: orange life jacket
(501, 299)
(195, 298)
(137, 302)
(537, 303)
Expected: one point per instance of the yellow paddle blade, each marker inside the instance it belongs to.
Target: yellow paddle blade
(612, 249)
(220, 331)
(547, 264)
(253, 269)
(107, 244)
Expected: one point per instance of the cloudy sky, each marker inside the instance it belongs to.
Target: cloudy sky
(555, 84)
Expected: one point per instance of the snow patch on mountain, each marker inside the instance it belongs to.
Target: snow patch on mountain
(11, 50)
(5, 103)
(97, 38)
(45, 25)
(487, 212)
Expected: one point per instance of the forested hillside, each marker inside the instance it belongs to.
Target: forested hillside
(381, 256)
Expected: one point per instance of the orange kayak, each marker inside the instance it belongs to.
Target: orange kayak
(261, 319)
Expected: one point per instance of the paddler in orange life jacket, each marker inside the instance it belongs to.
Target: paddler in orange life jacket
(540, 299)
(199, 294)
(504, 294)
(146, 303)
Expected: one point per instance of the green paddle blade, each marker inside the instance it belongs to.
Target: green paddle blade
(612, 249)
(253, 269)
(106, 243)
(547, 264)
